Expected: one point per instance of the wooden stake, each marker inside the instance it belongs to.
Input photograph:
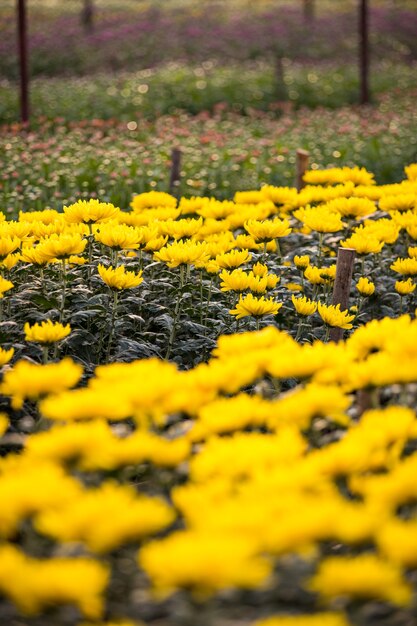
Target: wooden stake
(341, 290)
(23, 60)
(302, 157)
(87, 17)
(175, 176)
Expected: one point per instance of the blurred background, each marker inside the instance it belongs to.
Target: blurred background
(254, 80)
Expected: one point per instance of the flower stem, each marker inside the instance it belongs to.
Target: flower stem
(45, 354)
(299, 329)
(63, 290)
(112, 324)
(177, 312)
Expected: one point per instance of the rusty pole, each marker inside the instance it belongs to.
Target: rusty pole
(23, 60)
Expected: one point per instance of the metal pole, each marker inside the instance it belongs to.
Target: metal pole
(364, 51)
(23, 60)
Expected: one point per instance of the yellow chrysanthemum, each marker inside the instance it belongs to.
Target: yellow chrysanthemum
(62, 246)
(257, 307)
(46, 332)
(106, 517)
(53, 581)
(301, 262)
(333, 316)
(182, 253)
(405, 287)
(118, 236)
(365, 286)
(8, 245)
(119, 278)
(304, 306)
(5, 285)
(364, 576)
(204, 562)
(407, 267)
(90, 212)
(266, 230)
(30, 380)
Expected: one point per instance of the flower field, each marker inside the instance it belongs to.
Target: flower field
(61, 161)
(181, 443)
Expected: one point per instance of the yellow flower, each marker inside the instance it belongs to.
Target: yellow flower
(357, 175)
(304, 306)
(364, 576)
(8, 245)
(399, 202)
(119, 278)
(86, 403)
(52, 581)
(11, 260)
(407, 267)
(234, 258)
(365, 286)
(328, 273)
(266, 230)
(320, 219)
(31, 486)
(90, 212)
(179, 229)
(294, 287)
(411, 171)
(351, 207)
(118, 236)
(30, 380)
(153, 199)
(106, 518)
(35, 255)
(333, 316)
(182, 253)
(5, 285)
(316, 619)
(46, 332)
(301, 261)
(249, 305)
(363, 243)
(260, 284)
(313, 275)
(237, 280)
(202, 561)
(62, 246)
(405, 287)
(5, 356)
(4, 423)
(260, 269)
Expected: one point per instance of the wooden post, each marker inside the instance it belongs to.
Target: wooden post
(87, 17)
(308, 10)
(341, 290)
(23, 60)
(364, 51)
(302, 157)
(175, 176)
(280, 87)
